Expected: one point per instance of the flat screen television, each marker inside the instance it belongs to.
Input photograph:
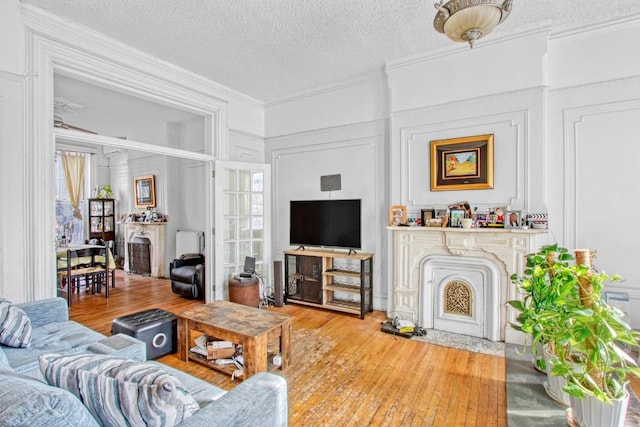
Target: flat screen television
(329, 223)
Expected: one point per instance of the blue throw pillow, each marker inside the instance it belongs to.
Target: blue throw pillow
(15, 325)
(121, 392)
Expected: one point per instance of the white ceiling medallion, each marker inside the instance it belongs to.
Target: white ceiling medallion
(470, 20)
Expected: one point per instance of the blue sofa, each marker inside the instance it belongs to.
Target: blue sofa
(26, 399)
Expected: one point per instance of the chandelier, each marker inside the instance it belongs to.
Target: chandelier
(470, 20)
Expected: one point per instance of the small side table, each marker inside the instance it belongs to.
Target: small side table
(245, 291)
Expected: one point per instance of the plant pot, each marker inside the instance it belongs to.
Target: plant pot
(591, 412)
(554, 384)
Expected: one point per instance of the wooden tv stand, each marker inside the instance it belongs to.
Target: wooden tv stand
(329, 279)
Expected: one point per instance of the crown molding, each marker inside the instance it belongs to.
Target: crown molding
(459, 50)
(344, 84)
(373, 127)
(97, 44)
(589, 29)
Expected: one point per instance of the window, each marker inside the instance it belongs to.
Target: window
(67, 227)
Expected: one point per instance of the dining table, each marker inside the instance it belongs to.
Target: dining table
(61, 258)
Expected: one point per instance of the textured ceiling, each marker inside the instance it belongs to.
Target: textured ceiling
(270, 49)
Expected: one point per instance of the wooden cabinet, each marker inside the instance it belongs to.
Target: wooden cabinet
(102, 219)
(333, 280)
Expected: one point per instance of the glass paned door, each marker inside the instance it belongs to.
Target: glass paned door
(243, 206)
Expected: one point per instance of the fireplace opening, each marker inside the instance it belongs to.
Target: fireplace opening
(140, 256)
(461, 295)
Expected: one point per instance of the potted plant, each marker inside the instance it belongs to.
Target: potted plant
(562, 309)
(596, 334)
(549, 291)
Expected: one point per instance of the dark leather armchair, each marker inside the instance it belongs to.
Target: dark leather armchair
(187, 276)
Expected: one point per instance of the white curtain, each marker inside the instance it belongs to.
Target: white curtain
(73, 166)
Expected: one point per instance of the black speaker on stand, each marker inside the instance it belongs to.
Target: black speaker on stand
(278, 284)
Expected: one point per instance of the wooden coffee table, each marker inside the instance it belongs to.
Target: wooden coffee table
(240, 324)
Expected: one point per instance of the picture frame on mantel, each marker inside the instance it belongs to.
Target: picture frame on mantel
(513, 219)
(145, 191)
(397, 215)
(462, 163)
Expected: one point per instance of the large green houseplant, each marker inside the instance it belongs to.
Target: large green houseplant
(586, 335)
(548, 293)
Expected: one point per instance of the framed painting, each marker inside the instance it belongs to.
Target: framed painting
(462, 163)
(145, 191)
(397, 215)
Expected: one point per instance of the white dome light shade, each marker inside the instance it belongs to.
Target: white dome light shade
(470, 20)
(476, 18)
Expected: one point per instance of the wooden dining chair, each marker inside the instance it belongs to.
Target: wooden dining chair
(83, 264)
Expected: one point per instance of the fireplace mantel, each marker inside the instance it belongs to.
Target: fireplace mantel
(412, 245)
(155, 232)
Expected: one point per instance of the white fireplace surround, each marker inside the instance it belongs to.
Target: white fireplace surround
(155, 232)
(496, 253)
(488, 320)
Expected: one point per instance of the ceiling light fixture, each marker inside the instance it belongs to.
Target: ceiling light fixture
(470, 20)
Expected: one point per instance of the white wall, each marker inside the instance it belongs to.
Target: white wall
(13, 227)
(12, 43)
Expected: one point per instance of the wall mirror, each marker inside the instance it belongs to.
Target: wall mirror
(145, 192)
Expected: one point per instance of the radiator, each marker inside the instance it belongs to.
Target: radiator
(189, 242)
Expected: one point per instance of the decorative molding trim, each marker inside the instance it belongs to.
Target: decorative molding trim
(6, 75)
(518, 119)
(588, 29)
(246, 147)
(494, 98)
(345, 84)
(588, 87)
(572, 118)
(246, 134)
(90, 41)
(52, 47)
(128, 144)
(373, 125)
(459, 50)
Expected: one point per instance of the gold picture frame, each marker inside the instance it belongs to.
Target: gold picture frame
(397, 215)
(145, 191)
(462, 163)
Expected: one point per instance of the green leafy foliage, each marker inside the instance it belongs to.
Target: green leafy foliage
(587, 340)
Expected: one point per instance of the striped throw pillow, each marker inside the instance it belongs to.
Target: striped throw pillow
(121, 392)
(15, 325)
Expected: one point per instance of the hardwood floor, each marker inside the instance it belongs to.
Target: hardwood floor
(345, 371)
